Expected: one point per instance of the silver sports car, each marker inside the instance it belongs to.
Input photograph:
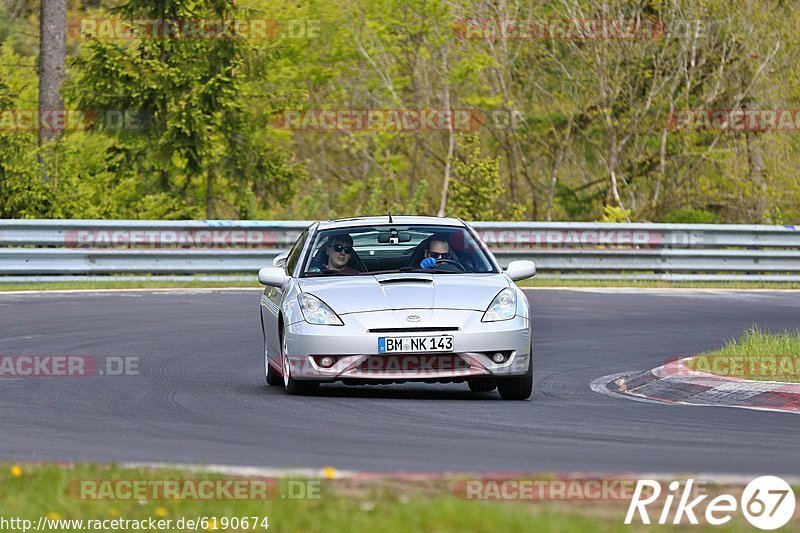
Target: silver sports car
(394, 299)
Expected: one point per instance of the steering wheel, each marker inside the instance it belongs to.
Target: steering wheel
(456, 264)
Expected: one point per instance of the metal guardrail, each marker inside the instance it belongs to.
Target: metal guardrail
(47, 250)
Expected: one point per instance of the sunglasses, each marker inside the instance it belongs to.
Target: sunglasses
(346, 249)
(437, 255)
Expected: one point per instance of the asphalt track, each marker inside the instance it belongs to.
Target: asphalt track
(200, 395)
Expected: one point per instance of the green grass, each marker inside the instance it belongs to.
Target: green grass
(757, 355)
(29, 491)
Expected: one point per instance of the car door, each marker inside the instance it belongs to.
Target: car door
(272, 299)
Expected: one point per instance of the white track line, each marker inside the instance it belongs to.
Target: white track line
(249, 471)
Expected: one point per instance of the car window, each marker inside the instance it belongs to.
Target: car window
(294, 255)
(394, 248)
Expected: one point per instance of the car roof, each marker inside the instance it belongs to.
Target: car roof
(384, 220)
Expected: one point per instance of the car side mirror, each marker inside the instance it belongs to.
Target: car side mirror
(280, 259)
(272, 276)
(519, 270)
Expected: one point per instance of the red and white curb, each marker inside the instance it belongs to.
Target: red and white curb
(675, 383)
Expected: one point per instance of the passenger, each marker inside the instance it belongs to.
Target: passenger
(338, 253)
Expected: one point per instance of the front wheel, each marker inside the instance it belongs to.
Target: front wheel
(292, 386)
(273, 378)
(518, 387)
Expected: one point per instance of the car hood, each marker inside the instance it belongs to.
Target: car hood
(357, 294)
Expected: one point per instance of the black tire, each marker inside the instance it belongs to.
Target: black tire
(273, 378)
(482, 384)
(301, 388)
(294, 387)
(518, 387)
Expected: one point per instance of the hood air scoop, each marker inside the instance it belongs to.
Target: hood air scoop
(405, 279)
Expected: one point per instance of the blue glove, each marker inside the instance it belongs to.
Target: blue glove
(428, 262)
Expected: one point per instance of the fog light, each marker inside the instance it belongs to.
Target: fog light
(326, 361)
(498, 358)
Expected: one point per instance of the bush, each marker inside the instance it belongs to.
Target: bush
(690, 215)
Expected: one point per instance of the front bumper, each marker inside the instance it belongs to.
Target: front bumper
(354, 347)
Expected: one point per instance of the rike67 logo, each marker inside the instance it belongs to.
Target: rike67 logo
(767, 502)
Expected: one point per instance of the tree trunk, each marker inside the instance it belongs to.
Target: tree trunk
(451, 139)
(209, 195)
(52, 62)
(755, 162)
(662, 169)
(613, 153)
(447, 166)
(558, 158)
(755, 169)
(551, 191)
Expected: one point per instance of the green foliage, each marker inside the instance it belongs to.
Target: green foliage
(476, 183)
(22, 195)
(690, 215)
(555, 117)
(613, 213)
(204, 150)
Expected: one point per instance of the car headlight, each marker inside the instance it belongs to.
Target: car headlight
(315, 311)
(503, 307)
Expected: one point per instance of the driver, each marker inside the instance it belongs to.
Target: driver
(438, 248)
(338, 252)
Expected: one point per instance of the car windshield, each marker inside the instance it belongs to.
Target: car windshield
(395, 248)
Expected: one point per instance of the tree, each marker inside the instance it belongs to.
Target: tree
(476, 185)
(52, 61)
(202, 146)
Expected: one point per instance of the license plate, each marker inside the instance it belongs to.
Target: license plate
(436, 343)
